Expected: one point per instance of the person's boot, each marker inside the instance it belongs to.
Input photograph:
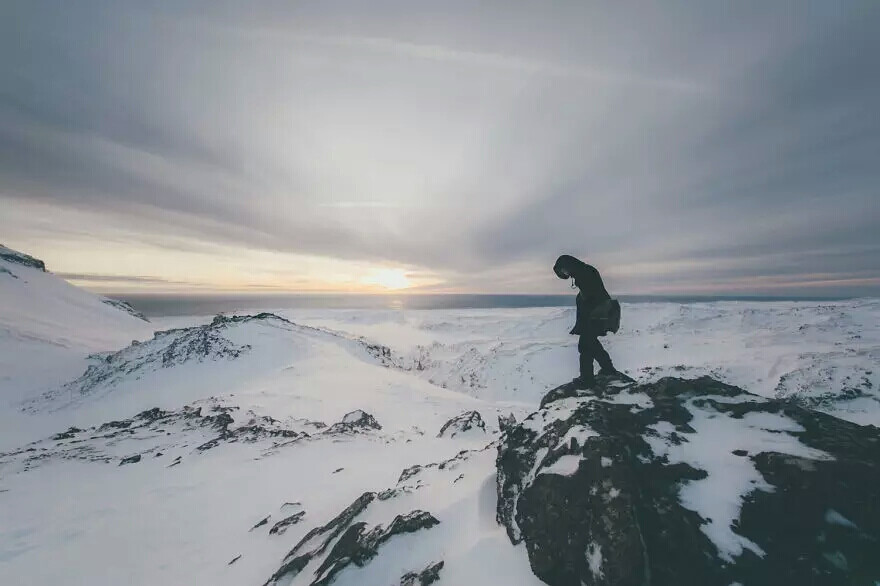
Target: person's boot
(583, 382)
(608, 370)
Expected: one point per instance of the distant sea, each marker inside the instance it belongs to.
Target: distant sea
(160, 305)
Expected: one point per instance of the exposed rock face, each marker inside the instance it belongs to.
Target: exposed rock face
(200, 427)
(281, 526)
(21, 258)
(356, 544)
(126, 307)
(318, 539)
(355, 422)
(691, 482)
(424, 578)
(467, 422)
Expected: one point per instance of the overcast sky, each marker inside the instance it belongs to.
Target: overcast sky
(681, 147)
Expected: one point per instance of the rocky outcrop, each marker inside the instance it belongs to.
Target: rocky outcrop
(690, 482)
(20, 258)
(124, 306)
(426, 577)
(469, 422)
(359, 544)
(281, 526)
(170, 348)
(353, 543)
(318, 540)
(357, 421)
(203, 425)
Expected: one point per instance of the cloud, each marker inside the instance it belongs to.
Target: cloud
(129, 279)
(671, 147)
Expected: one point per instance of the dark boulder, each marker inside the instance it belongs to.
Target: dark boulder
(316, 541)
(281, 526)
(690, 482)
(130, 460)
(357, 421)
(467, 422)
(358, 545)
(426, 577)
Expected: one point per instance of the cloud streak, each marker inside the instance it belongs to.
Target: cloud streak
(674, 148)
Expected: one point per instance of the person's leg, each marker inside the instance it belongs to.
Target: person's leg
(585, 347)
(602, 357)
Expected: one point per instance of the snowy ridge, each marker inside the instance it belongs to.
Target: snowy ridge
(181, 433)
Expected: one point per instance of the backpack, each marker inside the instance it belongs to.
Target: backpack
(605, 317)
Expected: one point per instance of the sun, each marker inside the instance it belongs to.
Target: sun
(389, 279)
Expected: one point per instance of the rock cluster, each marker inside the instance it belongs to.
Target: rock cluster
(690, 482)
(467, 422)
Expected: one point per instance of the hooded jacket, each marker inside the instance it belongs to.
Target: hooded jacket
(591, 289)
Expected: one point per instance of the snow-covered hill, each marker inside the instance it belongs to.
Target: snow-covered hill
(48, 326)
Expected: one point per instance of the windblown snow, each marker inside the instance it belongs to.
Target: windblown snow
(203, 450)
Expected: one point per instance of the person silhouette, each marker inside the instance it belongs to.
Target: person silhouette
(592, 296)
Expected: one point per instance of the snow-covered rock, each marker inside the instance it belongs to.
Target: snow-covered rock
(20, 258)
(690, 482)
(126, 307)
(356, 421)
(352, 543)
(467, 423)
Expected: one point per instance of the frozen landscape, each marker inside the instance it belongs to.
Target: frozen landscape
(368, 447)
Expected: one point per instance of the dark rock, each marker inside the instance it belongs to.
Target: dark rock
(424, 578)
(212, 443)
(72, 431)
(317, 540)
(130, 460)
(358, 545)
(261, 522)
(605, 384)
(115, 425)
(357, 421)
(220, 421)
(21, 258)
(233, 560)
(281, 526)
(127, 308)
(338, 470)
(152, 415)
(506, 423)
(409, 473)
(465, 422)
(606, 508)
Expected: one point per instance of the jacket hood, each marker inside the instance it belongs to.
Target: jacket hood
(574, 267)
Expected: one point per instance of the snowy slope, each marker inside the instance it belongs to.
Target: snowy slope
(182, 444)
(48, 326)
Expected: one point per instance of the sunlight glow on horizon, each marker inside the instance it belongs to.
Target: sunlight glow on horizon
(392, 279)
